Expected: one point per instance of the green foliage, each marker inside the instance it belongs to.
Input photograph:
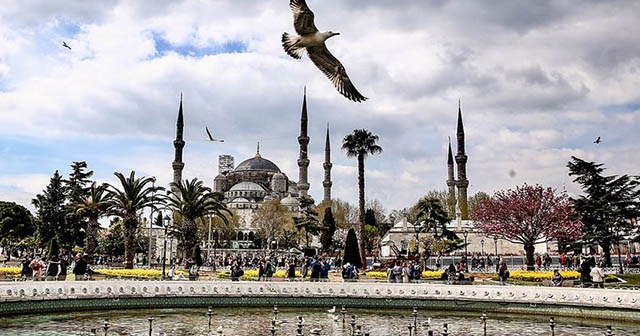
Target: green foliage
(308, 219)
(50, 210)
(329, 229)
(609, 206)
(16, 222)
(192, 200)
(432, 218)
(351, 250)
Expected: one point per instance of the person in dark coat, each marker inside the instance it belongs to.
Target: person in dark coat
(80, 267)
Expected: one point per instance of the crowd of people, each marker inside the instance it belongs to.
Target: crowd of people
(55, 268)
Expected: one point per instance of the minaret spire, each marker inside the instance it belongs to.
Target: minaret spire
(258, 151)
(327, 169)
(303, 140)
(178, 144)
(451, 184)
(461, 160)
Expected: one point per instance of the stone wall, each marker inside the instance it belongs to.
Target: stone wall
(28, 297)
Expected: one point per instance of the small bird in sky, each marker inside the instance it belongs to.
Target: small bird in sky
(211, 138)
(597, 141)
(312, 40)
(64, 44)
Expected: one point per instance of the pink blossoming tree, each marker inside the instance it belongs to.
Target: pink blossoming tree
(528, 215)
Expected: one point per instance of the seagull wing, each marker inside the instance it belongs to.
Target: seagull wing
(333, 69)
(209, 134)
(302, 17)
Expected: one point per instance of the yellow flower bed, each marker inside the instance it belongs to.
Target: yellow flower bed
(426, 275)
(137, 273)
(10, 271)
(539, 276)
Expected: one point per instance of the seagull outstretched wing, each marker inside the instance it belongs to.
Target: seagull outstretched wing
(211, 138)
(302, 17)
(334, 70)
(64, 44)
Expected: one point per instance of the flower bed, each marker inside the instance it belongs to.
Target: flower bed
(138, 273)
(10, 272)
(252, 274)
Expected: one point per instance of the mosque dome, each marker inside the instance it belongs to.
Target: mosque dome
(257, 163)
(290, 201)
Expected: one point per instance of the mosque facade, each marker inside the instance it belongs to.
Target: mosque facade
(257, 179)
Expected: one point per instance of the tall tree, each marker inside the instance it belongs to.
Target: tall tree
(50, 210)
(360, 144)
(76, 189)
(308, 218)
(528, 215)
(128, 202)
(351, 254)
(328, 230)
(609, 206)
(477, 198)
(92, 207)
(191, 199)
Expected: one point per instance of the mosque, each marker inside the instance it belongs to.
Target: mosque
(258, 179)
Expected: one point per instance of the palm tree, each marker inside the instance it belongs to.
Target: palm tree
(128, 203)
(359, 144)
(93, 206)
(192, 200)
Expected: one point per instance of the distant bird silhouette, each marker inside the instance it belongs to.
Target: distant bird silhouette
(332, 310)
(211, 138)
(312, 40)
(597, 141)
(64, 44)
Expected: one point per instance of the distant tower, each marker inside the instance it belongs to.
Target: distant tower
(178, 144)
(327, 169)
(451, 184)
(303, 140)
(461, 160)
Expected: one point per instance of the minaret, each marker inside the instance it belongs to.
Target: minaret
(327, 169)
(178, 144)
(303, 140)
(451, 183)
(461, 160)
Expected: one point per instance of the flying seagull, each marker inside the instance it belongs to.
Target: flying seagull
(597, 141)
(211, 138)
(64, 44)
(312, 40)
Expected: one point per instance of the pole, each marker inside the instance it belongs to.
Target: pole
(153, 185)
(164, 252)
(209, 240)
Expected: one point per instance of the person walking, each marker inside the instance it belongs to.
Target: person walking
(597, 276)
(79, 267)
(503, 272)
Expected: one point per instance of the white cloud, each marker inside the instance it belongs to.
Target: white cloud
(538, 83)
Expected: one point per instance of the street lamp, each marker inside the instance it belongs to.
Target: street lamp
(465, 234)
(166, 223)
(495, 244)
(482, 245)
(153, 187)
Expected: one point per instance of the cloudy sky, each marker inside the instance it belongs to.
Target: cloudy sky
(539, 81)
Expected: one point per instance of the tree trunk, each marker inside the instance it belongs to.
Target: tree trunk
(606, 247)
(529, 249)
(130, 226)
(190, 232)
(361, 208)
(92, 229)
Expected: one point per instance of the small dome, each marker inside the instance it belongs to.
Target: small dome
(247, 186)
(290, 201)
(240, 200)
(220, 177)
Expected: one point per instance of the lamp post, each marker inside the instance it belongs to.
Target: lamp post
(495, 244)
(482, 245)
(465, 233)
(153, 196)
(165, 223)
